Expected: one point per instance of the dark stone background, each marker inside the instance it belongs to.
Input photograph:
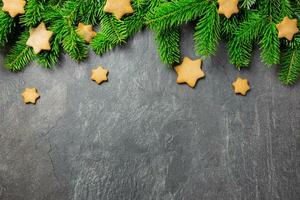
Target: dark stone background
(141, 136)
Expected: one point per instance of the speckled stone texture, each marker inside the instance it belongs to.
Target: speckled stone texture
(141, 136)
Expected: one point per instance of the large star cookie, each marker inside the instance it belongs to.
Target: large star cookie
(86, 32)
(39, 38)
(118, 7)
(241, 86)
(30, 95)
(228, 7)
(287, 28)
(14, 7)
(189, 71)
(99, 75)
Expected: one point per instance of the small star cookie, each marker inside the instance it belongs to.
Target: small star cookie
(241, 86)
(118, 7)
(14, 7)
(86, 32)
(30, 95)
(189, 71)
(39, 38)
(228, 7)
(287, 28)
(99, 75)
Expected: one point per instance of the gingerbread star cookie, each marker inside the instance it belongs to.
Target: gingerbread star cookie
(228, 7)
(86, 32)
(39, 38)
(30, 95)
(287, 28)
(14, 7)
(241, 86)
(189, 71)
(118, 7)
(99, 75)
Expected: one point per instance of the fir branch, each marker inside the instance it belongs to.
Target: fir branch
(250, 29)
(50, 58)
(34, 13)
(247, 3)
(168, 42)
(290, 66)
(175, 13)
(63, 21)
(113, 33)
(270, 45)
(207, 33)
(20, 55)
(91, 12)
(239, 52)
(229, 26)
(7, 25)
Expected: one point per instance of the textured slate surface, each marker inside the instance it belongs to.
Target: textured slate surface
(141, 136)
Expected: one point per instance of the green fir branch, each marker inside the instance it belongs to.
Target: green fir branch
(168, 42)
(34, 13)
(50, 58)
(113, 33)
(20, 55)
(207, 33)
(290, 66)
(7, 25)
(270, 45)
(175, 13)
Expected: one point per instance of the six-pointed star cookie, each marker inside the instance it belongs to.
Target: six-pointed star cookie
(39, 38)
(189, 71)
(14, 7)
(86, 32)
(241, 86)
(30, 95)
(99, 75)
(228, 7)
(287, 28)
(118, 7)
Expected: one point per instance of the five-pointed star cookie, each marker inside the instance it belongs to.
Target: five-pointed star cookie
(86, 32)
(118, 7)
(241, 86)
(228, 7)
(99, 75)
(14, 7)
(189, 71)
(287, 28)
(30, 95)
(39, 38)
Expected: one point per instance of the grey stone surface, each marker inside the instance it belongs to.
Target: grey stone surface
(141, 136)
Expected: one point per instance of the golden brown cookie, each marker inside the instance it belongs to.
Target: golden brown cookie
(189, 71)
(39, 38)
(241, 86)
(118, 7)
(228, 7)
(30, 95)
(86, 32)
(99, 75)
(287, 28)
(14, 7)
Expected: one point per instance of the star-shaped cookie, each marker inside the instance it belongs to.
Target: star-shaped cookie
(30, 95)
(241, 86)
(14, 7)
(99, 75)
(228, 7)
(189, 71)
(86, 32)
(118, 7)
(39, 38)
(287, 28)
